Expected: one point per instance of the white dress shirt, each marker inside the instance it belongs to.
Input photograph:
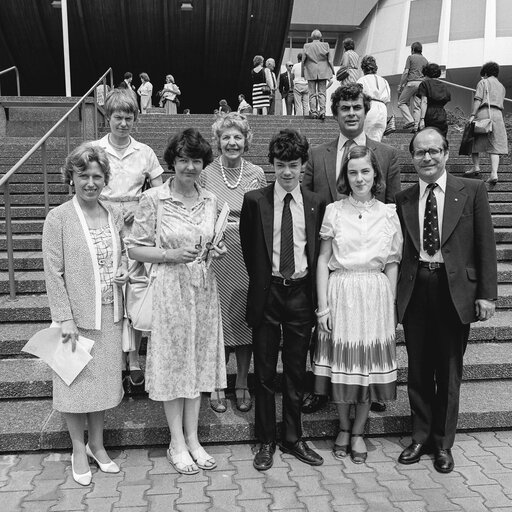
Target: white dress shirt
(439, 192)
(299, 231)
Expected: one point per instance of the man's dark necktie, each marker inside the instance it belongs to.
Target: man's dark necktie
(346, 149)
(431, 242)
(287, 261)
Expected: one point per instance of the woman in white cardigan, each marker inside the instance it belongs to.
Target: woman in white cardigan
(84, 270)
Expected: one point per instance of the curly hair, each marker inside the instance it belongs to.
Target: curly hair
(349, 92)
(121, 100)
(189, 143)
(490, 69)
(232, 120)
(81, 157)
(369, 65)
(258, 60)
(348, 44)
(288, 145)
(355, 152)
(416, 47)
(432, 70)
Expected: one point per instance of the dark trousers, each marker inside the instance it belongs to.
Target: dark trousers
(288, 308)
(436, 341)
(289, 102)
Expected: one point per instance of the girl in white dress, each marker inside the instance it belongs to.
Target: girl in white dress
(355, 357)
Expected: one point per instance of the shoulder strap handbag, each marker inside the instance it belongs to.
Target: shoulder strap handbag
(485, 125)
(139, 288)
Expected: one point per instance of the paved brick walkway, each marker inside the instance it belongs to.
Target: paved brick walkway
(482, 481)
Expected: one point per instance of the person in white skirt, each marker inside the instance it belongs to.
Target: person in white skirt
(361, 247)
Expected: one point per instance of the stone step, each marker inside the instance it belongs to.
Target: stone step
(14, 335)
(22, 243)
(27, 425)
(32, 378)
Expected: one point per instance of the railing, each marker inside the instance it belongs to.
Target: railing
(468, 88)
(15, 69)
(4, 181)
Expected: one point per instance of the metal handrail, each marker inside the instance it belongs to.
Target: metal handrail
(15, 69)
(469, 89)
(4, 181)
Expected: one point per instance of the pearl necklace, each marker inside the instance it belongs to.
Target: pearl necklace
(366, 206)
(224, 177)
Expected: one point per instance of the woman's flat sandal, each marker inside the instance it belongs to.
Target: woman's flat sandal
(340, 451)
(181, 461)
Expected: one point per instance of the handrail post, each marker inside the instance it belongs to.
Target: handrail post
(95, 115)
(45, 179)
(10, 247)
(17, 80)
(67, 135)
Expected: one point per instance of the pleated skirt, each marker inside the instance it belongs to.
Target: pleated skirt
(357, 363)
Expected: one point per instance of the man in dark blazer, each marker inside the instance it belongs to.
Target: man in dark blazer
(349, 106)
(286, 88)
(279, 227)
(447, 279)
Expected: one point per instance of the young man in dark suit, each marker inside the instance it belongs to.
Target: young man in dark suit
(286, 88)
(279, 227)
(448, 279)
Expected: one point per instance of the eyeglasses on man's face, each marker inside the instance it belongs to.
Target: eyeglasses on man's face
(419, 154)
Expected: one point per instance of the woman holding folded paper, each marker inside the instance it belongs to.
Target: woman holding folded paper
(84, 271)
(229, 177)
(186, 350)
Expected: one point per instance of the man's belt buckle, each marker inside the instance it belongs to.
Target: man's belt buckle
(287, 281)
(433, 265)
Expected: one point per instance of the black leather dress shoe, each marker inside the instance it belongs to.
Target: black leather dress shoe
(378, 407)
(313, 403)
(443, 460)
(303, 452)
(411, 454)
(264, 459)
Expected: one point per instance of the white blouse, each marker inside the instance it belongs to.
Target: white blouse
(365, 236)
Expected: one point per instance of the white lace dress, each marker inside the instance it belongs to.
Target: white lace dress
(358, 363)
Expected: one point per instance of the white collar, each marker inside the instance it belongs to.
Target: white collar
(441, 183)
(360, 140)
(281, 193)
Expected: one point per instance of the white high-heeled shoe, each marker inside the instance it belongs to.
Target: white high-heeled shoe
(108, 467)
(83, 479)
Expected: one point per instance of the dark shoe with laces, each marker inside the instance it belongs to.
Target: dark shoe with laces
(313, 403)
(412, 453)
(443, 460)
(264, 459)
(303, 452)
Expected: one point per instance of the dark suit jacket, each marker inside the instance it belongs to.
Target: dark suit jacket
(256, 236)
(467, 245)
(320, 173)
(284, 83)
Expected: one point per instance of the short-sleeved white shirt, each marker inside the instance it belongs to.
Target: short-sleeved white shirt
(129, 171)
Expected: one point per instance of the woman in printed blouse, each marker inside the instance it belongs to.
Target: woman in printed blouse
(84, 271)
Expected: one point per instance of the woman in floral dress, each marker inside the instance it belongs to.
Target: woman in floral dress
(186, 350)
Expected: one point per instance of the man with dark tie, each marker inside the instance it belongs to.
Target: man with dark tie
(286, 88)
(279, 227)
(349, 106)
(448, 279)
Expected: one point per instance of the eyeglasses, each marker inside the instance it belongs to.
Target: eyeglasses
(418, 154)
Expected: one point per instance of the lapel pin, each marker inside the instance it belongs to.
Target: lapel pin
(456, 199)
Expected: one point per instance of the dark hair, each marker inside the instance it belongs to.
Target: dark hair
(490, 69)
(144, 76)
(128, 75)
(299, 57)
(288, 145)
(355, 152)
(432, 70)
(188, 143)
(348, 43)
(434, 129)
(349, 92)
(416, 47)
(81, 157)
(369, 65)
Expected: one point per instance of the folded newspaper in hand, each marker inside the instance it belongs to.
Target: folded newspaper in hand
(47, 345)
(220, 228)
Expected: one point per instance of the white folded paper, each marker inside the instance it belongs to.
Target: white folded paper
(47, 345)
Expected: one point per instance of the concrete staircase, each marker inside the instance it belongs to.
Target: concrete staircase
(27, 421)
